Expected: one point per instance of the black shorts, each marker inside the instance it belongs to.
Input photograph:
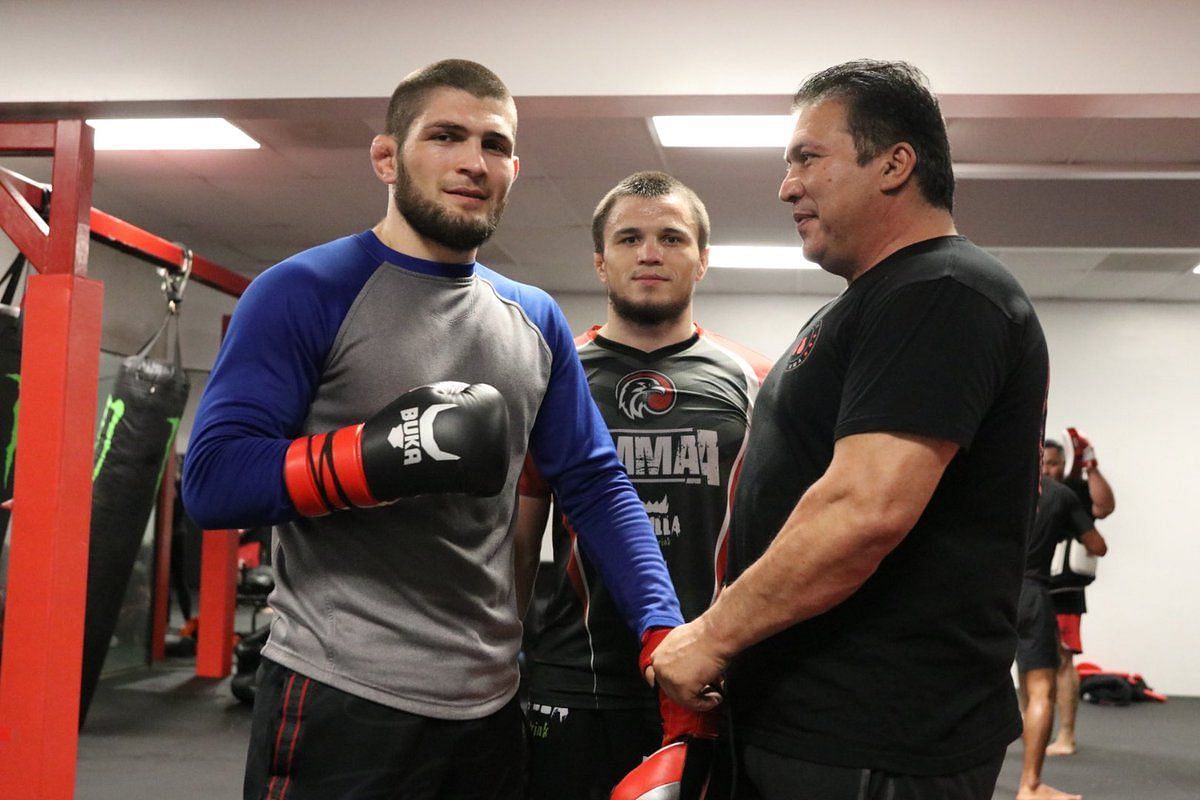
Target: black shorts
(580, 754)
(764, 775)
(310, 741)
(1037, 629)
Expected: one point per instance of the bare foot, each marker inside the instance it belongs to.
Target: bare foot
(1044, 792)
(1057, 748)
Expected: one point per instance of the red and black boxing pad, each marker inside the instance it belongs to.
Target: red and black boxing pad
(679, 771)
(446, 437)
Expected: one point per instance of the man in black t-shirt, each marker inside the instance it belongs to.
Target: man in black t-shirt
(1060, 516)
(1096, 496)
(891, 474)
(677, 400)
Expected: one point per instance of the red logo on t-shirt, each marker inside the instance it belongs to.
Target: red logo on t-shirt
(645, 392)
(805, 345)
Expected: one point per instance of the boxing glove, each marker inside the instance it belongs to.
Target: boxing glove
(678, 721)
(679, 771)
(1083, 456)
(445, 437)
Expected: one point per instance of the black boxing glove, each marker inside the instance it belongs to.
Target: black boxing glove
(446, 437)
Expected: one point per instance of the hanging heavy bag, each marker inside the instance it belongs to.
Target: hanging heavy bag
(137, 431)
(10, 385)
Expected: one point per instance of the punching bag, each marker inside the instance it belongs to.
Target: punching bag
(137, 433)
(10, 385)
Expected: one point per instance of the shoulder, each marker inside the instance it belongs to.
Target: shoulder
(749, 361)
(325, 272)
(959, 264)
(536, 303)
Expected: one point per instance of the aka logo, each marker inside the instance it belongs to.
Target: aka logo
(645, 392)
(805, 345)
(414, 434)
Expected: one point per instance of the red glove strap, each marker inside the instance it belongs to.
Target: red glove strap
(679, 722)
(651, 639)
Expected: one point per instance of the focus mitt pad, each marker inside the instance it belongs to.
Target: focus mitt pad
(679, 771)
(1083, 455)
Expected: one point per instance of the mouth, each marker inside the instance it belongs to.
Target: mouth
(801, 218)
(649, 279)
(468, 192)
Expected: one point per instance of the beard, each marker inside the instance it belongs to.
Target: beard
(648, 314)
(436, 223)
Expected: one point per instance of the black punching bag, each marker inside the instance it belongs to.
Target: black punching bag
(137, 431)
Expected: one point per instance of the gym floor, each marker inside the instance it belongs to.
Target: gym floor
(162, 732)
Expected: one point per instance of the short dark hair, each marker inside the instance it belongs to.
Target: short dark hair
(649, 184)
(889, 102)
(1051, 444)
(408, 101)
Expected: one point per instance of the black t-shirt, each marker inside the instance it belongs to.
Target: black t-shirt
(910, 673)
(678, 418)
(1060, 516)
(1069, 598)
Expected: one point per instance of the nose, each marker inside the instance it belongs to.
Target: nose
(650, 252)
(471, 161)
(792, 189)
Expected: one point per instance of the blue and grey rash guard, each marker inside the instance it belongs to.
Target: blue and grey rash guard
(411, 605)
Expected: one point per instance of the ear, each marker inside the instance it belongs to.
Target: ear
(702, 270)
(516, 167)
(383, 157)
(598, 263)
(897, 166)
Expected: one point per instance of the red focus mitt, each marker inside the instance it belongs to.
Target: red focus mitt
(678, 722)
(679, 771)
(1083, 455)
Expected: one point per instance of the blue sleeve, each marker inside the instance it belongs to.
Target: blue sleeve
(573, 450)
(259, 392)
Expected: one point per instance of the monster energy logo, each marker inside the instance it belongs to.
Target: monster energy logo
(114, 410)
(11, 451)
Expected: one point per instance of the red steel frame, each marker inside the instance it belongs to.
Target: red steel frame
(63, 309)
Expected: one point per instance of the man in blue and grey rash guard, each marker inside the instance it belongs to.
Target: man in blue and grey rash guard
(374, 400)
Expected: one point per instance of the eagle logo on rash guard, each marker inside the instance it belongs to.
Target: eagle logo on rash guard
(645, 392)
(804, 346)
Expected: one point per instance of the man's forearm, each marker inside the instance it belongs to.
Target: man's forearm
(1101, 494)
(826, 550)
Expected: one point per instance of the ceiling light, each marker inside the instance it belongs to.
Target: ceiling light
(1196, 270)
(738, 256)
(724, 131)
(195, 133)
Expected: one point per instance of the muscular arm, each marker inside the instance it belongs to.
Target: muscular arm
(874, 491)
(532, 513)
(1094, 543)
(1103, 501)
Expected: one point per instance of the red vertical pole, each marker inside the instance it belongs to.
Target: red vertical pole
(218, 600)
(163, 533)
(43, 638)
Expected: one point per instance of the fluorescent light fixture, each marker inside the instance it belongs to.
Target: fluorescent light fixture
(194, 133)
(1195, 269)
(724, 131)
(739, 256)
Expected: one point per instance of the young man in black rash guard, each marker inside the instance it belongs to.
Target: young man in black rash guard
(677, 400)
(891, 475)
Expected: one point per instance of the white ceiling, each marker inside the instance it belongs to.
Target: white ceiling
(1087, 184)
